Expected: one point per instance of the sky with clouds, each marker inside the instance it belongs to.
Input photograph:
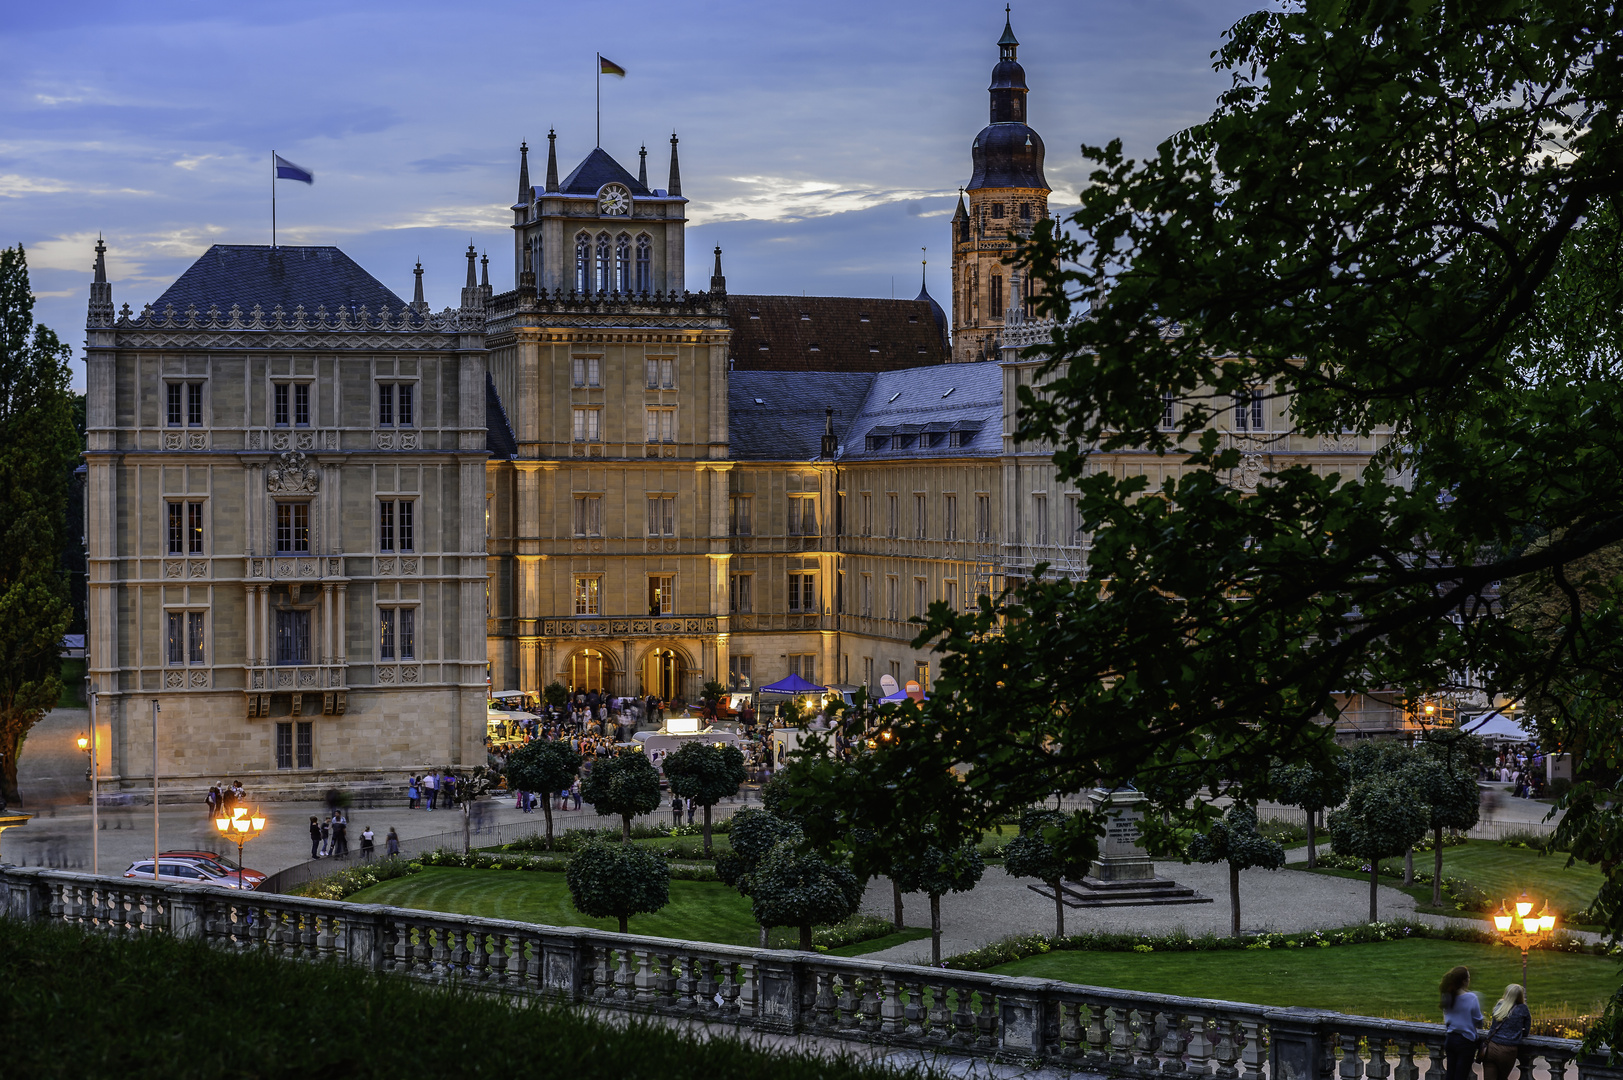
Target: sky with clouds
(822, 144)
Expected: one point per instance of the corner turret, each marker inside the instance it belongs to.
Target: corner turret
(101, 291)
(674, 187)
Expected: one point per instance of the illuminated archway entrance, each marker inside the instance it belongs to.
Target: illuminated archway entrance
(662, 674)
(588, 670)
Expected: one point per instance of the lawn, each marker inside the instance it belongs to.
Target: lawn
(698, 911)
(1505, 871)
(1396, 979)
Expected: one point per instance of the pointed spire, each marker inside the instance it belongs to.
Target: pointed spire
(101, 261)
(960, 214)
(524, 192)
(1008, 41)
(417, 292)
(552, 162)
(484, 271)
(718, 283)
(924, 272)
(100, 312)
(675, 185)
(473, 276)
(642, 167)
(473, 297)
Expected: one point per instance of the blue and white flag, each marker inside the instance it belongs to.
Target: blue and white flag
(286, 170)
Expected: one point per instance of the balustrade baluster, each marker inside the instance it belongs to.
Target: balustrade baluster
(913, 1010)
(1174, 1037)
(1097, 1050)
(323, 934)
(1555, 1063)
(871, 1004)
(1434, 1059)
(1198, 1046)
(1064, 1036)
(441, 970)
(823, 1002)
(749, 1000)
(1352, 1066)
(1227, 1051)
(940, 1016)
(1121, 1037)
(963, 1017)
(892, 1015)
(602, 972)
(1145, 1024)
(483, 942)
(988, 1025)
(707, 989)
(1253, 1053)
(1377, 1068)
(498, 973)
(625, 976)
(1406, 1068)
(643, 988)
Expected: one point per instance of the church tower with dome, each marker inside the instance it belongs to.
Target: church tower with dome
(1006, 194)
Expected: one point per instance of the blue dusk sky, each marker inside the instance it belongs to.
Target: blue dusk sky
(822, 144)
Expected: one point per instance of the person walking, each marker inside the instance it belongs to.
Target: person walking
(1462, 1019)
(574, 792)
(692, 806)
(326, 839)
(340, 835)
(431, 785)
(1511, 1024)
(676, 809)
(391, 844)
(367, 846)
(413, 793)
(315, 838)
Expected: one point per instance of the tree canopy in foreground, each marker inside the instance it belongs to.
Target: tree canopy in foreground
(1401, 219)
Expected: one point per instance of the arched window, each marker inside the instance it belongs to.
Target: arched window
(605, 269)
(622, 264)
(645, 265)
(583, 264)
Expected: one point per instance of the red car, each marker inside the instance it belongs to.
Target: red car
(251, 879)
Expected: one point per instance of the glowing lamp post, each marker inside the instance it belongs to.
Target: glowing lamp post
(240, 828)
(1522, 928)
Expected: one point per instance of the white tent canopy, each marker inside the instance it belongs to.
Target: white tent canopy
(1496, 726)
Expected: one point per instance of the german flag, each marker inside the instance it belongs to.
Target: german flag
(605, 66)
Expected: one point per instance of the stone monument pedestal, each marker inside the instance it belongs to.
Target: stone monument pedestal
(1124, 874)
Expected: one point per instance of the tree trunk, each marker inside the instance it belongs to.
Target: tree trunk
(10, 744)
(623, 923)
(1234, 898)
(546, 808)
(625, 828)
(805, 938)
(896, 896)
(1374, 880)
(1312, 842)
(1059, 909)
(1408, 867)
(1437, 867)
(707, 828)
(763, 937)
(935, 930)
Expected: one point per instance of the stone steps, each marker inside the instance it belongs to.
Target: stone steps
(1144, 892)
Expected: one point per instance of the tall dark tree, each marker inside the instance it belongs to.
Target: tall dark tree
(706, 774)
(1383, 818)
(1313, 788)
(544, 767)
(626, 784)
(753, 836)
(1033, 854)
(1444, 777)
(935, 870)
(38, 445)
(1236, 841)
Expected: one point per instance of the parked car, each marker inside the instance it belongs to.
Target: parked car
(251, 879)
(180, 872)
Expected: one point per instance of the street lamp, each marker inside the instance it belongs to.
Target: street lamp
(1521, 928)
(239, 828)
(84, 744)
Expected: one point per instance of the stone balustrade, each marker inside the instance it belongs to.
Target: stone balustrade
(1089, 1029)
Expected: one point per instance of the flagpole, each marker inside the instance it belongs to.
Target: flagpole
(599, 99)
(273, 200)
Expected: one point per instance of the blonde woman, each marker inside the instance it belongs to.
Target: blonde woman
(1511, 1024)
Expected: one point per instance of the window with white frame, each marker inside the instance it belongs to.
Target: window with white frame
(802, 515)
(397, 525)
(803, 594)
(588, 594)
(661, 374)
(1248, 411)
(396, 404)
(949, 524)
(920, 518)
(1169, 411)
(661, 515)
(661, 594)
(588, 515)
(293, 528)
(185, 528)
(293, 637)
(185, 641)
(587, 371)
(739, 515)
(397, 633)
(183, 404)
(741, 593)
(660, 424)
(587, 425)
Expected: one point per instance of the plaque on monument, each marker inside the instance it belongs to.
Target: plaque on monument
(1121, 856)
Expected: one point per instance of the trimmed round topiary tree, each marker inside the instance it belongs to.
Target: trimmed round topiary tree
(1034, 854)
(935, 871)
(1383, 818)
(617, 881)
(1313, 789)
(1236, 841)
(546, 767)
(706, 774)
(795, 887)
(626, 784)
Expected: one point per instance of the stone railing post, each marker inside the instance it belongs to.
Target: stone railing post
(1596, 1067)
(363, 926)
(1020, 1017)
(565, 963)
(1295, 1044)
(188, 911)
(27, 896)
(778, 992)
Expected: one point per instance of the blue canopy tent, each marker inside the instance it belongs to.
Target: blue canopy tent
(794, 684)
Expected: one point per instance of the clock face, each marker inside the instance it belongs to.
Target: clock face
(614, 201)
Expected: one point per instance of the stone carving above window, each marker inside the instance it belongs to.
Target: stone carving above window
(291, 474)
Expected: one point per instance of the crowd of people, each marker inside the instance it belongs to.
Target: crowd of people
(329, 838)
(1523, 768)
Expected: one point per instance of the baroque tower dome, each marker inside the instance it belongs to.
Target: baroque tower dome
(1007, 153)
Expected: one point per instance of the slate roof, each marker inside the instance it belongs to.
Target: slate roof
(599, 169)
(833, 333)
(499, 438)
(778, 415)
(249, 274)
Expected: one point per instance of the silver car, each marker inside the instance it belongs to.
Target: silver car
(183, 872)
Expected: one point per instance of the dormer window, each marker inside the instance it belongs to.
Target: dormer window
(805, 316)
(754, 314)
(814, 347)
(873, 346)
(863, 316)
(763, 347)
(912, 318)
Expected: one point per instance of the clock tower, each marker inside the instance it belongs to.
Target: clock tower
(1007, 194)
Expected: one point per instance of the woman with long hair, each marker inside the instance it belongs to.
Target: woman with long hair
(1462, 1018)
(1511, 1024)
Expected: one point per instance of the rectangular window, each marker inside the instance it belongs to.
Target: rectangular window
(386, 404)
(587, 590)
(867, 514)
(588, 515)
(292, 637)
(586, 425)
(194, 637)
(738, 672)
(284, 745)
(386, 633)
(661, 594)
(396, 525)
(893, 597)
(867, 596)
(194, 404)
(740, 593)
(867, 671)
(301, 404)
(175, 651)
(1039, 520)
(921, 674)
(803, 594)
(1025, 211)
(1073, 521)
(949, 527)
(738, 514)
(408, 633)
(177, 528)
(386, 525)
(587, 371)
(804, 665)
(194, 528)
(949, 594)
(1248, 415)
(661, 515)
(920, 597)
(997, 211)
(894, 514)
(305, 745)
(661, 374)
(397, 633)
(983, 518)
(920, 521)
(1169, 411)
(997, 296)
(802, 515)
(292, 528)
(282, 412)
(172, 406)
(896, 670)
(660, 425)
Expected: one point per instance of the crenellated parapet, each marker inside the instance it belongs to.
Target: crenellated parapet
(406, 320)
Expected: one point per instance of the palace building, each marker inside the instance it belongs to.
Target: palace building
(323, 522)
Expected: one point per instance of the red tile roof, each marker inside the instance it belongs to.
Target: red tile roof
(832, 333)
